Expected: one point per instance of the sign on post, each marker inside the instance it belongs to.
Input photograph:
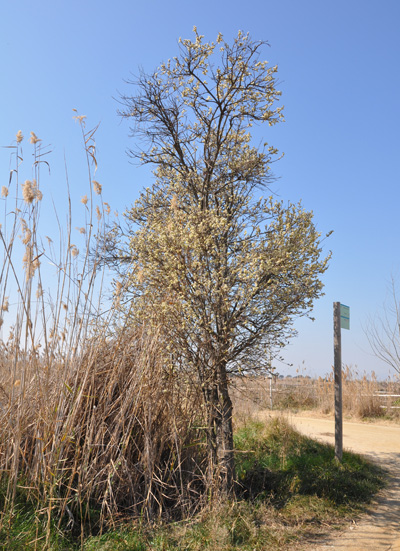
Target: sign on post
(344, 316)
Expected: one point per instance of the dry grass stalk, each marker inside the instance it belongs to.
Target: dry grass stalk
(363, 396)
(92, 413)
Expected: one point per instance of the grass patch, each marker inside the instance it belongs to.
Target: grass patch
(27, 527)
(278, 463)
(290, 488)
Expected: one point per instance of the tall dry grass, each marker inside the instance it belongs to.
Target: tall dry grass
(364, 396)
(361, 394)
(95, 423)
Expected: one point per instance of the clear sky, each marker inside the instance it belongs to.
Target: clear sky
(339, 73)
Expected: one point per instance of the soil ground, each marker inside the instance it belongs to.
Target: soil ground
(379, 529)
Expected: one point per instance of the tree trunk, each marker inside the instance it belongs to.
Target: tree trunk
(226, 457)
(221, 462)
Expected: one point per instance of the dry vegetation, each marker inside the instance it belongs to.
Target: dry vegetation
(93, 422)
(95, 426)
(363, 396)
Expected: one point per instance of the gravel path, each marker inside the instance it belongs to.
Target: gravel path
(379, 530)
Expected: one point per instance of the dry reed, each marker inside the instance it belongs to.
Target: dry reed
(93, 417)
(363, 396)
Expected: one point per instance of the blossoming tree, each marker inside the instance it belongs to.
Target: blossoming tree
(225, 270)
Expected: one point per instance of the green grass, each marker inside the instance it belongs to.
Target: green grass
(278, 463)
(26, 528)
(290, 488)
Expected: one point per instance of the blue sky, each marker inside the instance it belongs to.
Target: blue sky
(339, 74)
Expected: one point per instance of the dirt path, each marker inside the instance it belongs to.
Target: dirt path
(380, 529)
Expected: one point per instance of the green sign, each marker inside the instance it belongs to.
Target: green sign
(344, 316)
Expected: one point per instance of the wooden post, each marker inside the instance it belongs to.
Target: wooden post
(338, 382)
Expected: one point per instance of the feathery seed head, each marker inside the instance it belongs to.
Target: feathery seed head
(97, 187)
(79, 118)
(74, 250)
(30, 264)
(34, 139)
(27, 236)
(28, 192)
(4, 191)
(20, 136)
